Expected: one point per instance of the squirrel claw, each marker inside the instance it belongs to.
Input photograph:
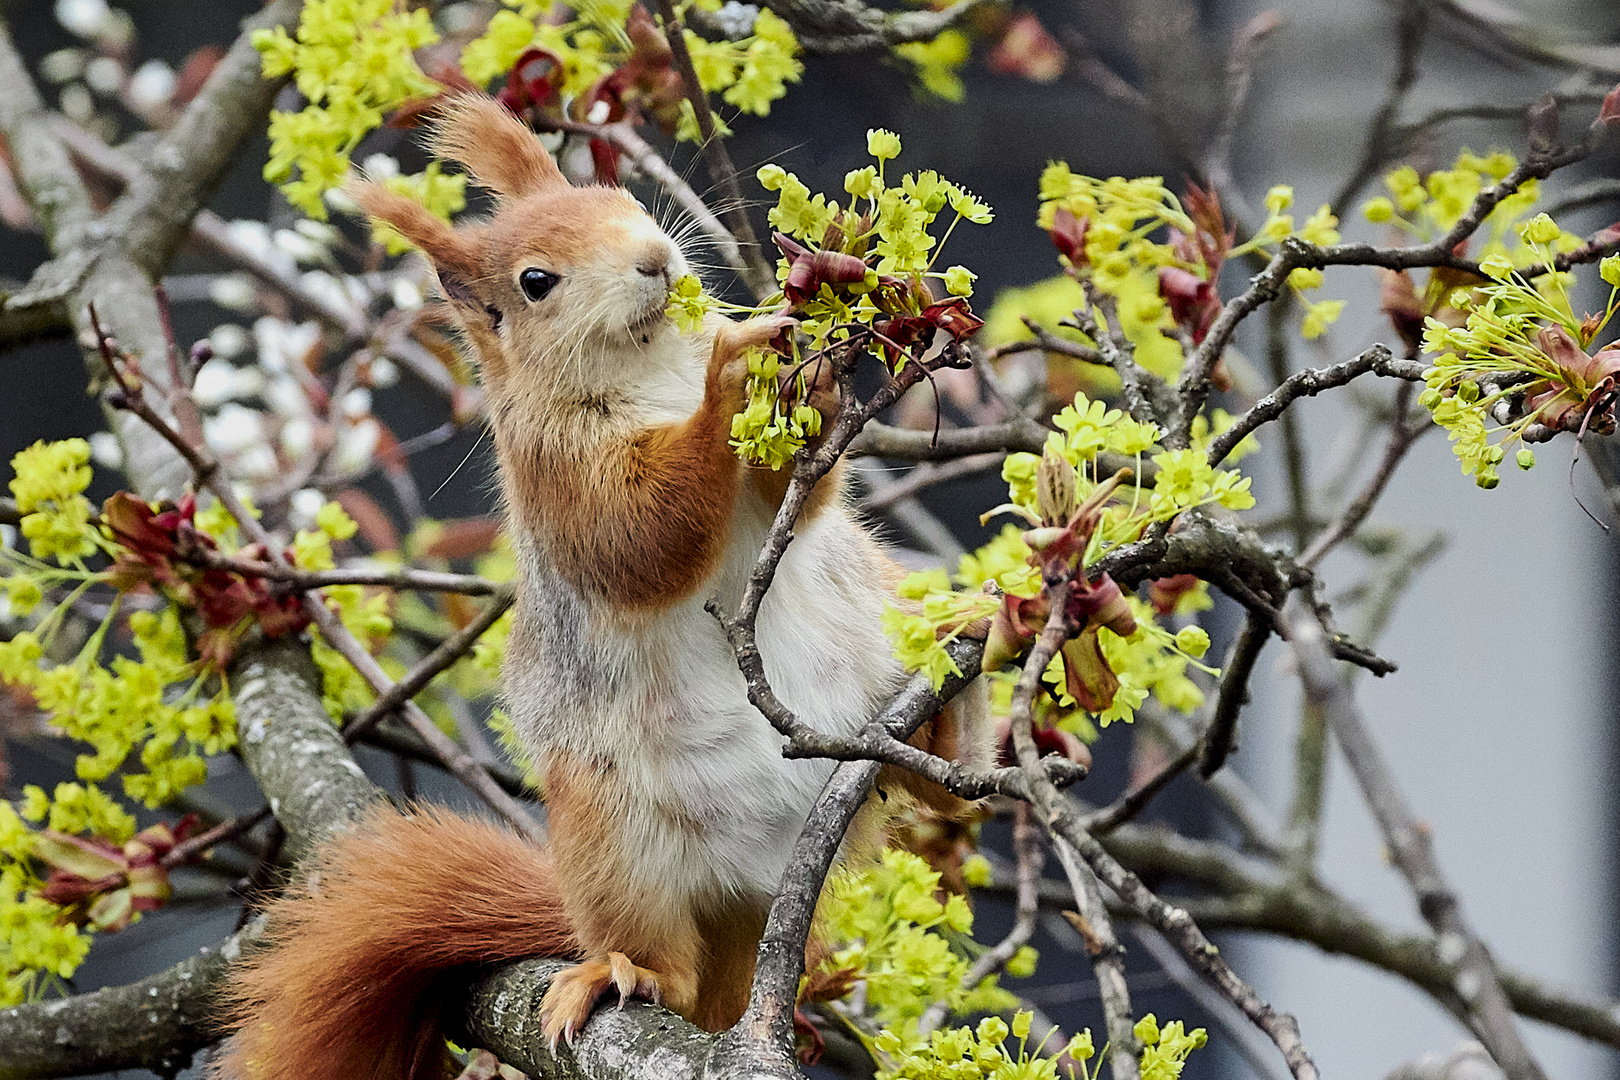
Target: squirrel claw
(574, 994)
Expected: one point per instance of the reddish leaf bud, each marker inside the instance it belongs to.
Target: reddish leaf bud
(1069, 236)
(1610, 113)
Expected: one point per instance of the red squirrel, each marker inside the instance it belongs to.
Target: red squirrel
(671, 809)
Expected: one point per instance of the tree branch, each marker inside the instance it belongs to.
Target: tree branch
(1220, 738)
(841, 27)
(1309, 383)
(450, 650)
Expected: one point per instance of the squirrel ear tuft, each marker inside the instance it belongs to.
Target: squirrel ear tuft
(454, 253)
(496, 147)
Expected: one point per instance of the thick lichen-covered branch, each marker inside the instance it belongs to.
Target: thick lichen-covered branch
(313, 785)
(113, 259)
(849, 26)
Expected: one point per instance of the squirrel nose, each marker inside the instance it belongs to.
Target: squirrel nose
(654, 261)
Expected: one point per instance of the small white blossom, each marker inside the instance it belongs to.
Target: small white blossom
(297, 437)
(86, 18)
(283, 344)
(77, 104)
(356, 444)
(152, 85)
(303, 506)
(233, 429)
(300, 247)
(106, 451)
(232, 291)
(213, 382)
(105, 75)
(357, 403)
(407, 297)
(380, 167)
(228, 340)
(257, 461)
(285, 397)
(63, 65)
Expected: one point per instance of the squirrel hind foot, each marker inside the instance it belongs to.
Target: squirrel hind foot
(574, 994)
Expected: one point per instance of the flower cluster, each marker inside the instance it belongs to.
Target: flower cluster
(891, 934)
(1122, 654)
(1321, 229)
(611, 56)
(979, 1053)
(151, 701)
(353, 62)
(1428, 207)
(1165, 1050)
(37, 947)
(938, 63)
(48, 485)
(858, 278)
(146, 695)
(768, 431)
(1519, 360)
(1104, 228)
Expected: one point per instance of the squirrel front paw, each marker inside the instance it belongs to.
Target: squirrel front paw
(575, 992)
(763, 331)
(729, 362)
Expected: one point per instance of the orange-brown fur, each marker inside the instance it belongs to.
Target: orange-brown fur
(391, 906)
(660, 499)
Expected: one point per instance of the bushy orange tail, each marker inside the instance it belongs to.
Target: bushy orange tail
(346, 984)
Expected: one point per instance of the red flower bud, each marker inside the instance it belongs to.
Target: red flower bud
(1610, 113)
(1088, 678)
(809, 270)
(1028, 50)
(953, 317)
(1069, 236)
(1103, 603)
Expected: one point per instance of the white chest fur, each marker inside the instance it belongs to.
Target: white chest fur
(712, 804)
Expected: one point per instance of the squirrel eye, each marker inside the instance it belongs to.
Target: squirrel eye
(537, 283)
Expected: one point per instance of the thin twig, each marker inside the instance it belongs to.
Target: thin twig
(760, 277)
(1107, 956)
(1220, 738)
(1029, 856)
(1293, 448)
(414, 681)
(206, 469)
(1046, 341)
(1309, 383)
(1141, 392)
(1133, 802)
(225, 831)
(1240, 62)
(1384, 139)
(375, 577)
(1294, 253)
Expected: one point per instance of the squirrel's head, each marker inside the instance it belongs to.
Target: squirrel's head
(560, 276)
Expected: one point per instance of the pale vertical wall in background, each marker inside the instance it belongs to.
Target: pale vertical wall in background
(1500, 720)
